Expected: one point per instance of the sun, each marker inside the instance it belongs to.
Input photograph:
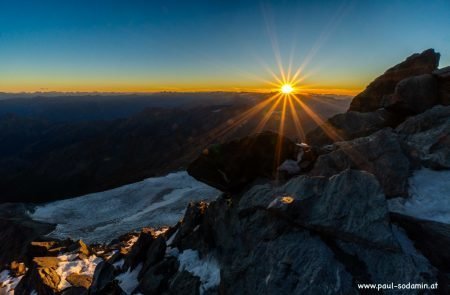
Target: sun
(286, 88)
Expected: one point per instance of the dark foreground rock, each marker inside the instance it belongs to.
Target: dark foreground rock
(427, 137)
(351, 125)
(417, 64)
(380, 153)
(231, 166)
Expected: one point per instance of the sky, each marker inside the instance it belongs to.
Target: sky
(145, 46)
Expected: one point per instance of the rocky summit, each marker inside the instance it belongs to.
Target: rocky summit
(356, 208)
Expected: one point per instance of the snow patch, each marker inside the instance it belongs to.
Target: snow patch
(429, 199)
(8, 283)
(206, 269)
(100, 217)
(128, 281)
(72, 264)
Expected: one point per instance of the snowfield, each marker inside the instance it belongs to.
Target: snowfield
(429, 196)
(103, 216)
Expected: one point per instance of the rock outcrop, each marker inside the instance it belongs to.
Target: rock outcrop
(372, 97)
(380, 154)
(233, 165)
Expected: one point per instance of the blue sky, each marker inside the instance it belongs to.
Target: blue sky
(204, 45)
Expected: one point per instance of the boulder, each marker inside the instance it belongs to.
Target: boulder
(139, 249)
(155, 253)
(41, 277)
(79, 280)
(17, 269)
(19, 232)
(184, 283)
(417, 64)
(430, 237)
(231, 166)
(380, 154)
(350, 206)
(351, 125)
(156, 278)
(190, 232)
(413, 95)
(443, 77)
(104, 273)
(293, 263)
(80, 248)
(427, 137)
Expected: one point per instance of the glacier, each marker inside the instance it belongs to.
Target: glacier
(100, 217)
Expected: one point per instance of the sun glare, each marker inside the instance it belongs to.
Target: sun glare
(286, 89)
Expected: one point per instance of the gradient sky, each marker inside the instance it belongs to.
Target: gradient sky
(139, 46)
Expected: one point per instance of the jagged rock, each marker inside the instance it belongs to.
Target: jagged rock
(156, 278)
(17, 269)
(443, 77)
(19, 231)
(413, 95)
(427, 137)
(81, 248)
(349, 206)
(380, 154)
(41, 277)
(389, 266)
(231, 166)
(104, 273)
(79, 280)
(430, 237)
(184, 283)
(155, 253)
(46, 248)
(417, 64)
(75, 291)
(351, 125)
(111, 288)
(294, 263)
(138, 251)
(190, 232)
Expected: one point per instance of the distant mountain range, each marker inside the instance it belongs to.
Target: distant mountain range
(60, 147)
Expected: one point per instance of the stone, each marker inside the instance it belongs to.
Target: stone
(155, 253)
(443, 77)
(17, 269)
(350, 206)
(427, 137)
(413, 95)
(79, 280)
(41, 277)
(380, 154)
(139, 249)
(351, 125)
(417, 64)
(184, 283)
(430, 237)
(104, 273)
(233, 165)
(156, 278)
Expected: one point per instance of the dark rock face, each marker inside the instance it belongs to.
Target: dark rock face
(431, 237)
(427, 137)
(19, 231)
(351, 125)
(42, 277)
(417, 64)
(103, 275)
(231, 166)
(184, 283)
(379, 153)
(443, 77)
(414, 95)
(156, 278)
